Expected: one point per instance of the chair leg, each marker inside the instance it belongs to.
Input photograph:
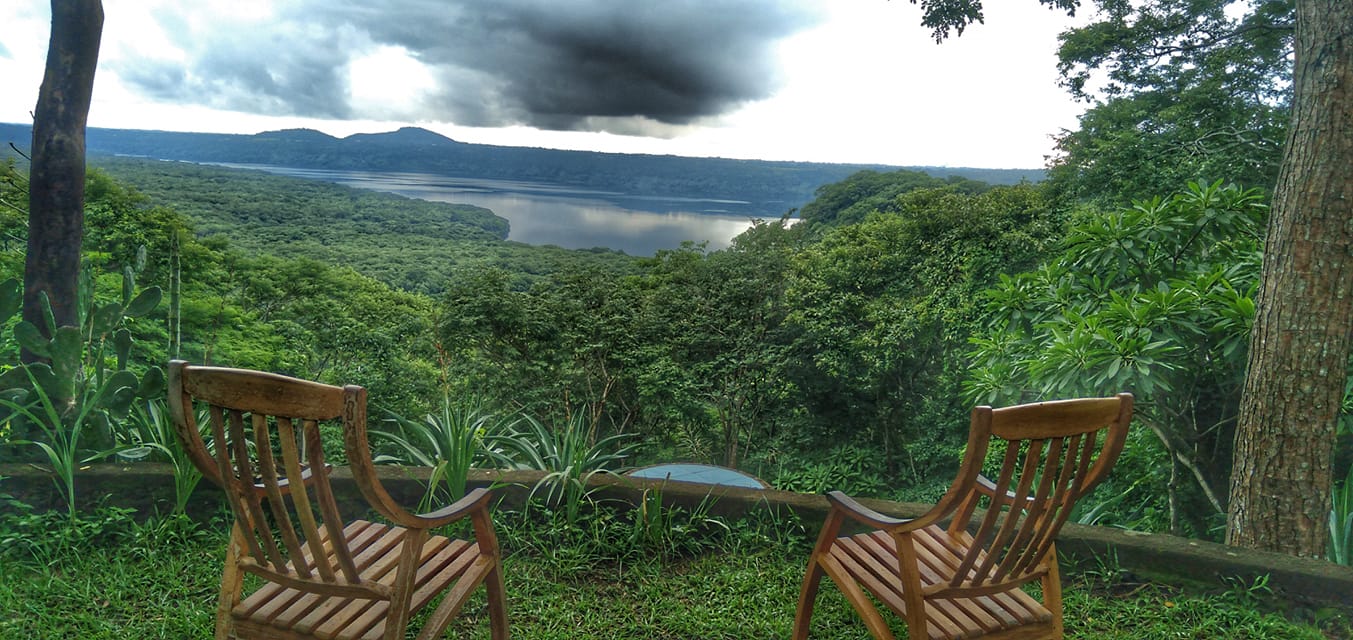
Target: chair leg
(803, 616)
(858, 600)
(232, 582)
(397, 620)
(1052, 592)
(497, 595)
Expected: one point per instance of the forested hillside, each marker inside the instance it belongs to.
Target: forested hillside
(789, 341)
(773, 187)
(842, 352)
(411, 244)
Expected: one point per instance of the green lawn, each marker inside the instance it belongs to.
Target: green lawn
(592, 580)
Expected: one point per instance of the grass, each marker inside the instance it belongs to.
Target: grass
(159, 580)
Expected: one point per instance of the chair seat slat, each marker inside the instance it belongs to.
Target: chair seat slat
(873, 563)
(857, 568)
(448, 565)
(273, 599)
(376, 561)
(323, 616)
(451, 562)
(867, 554)
(371, 619)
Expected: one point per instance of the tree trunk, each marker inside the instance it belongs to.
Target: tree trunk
(1299, 349)
(57, 178)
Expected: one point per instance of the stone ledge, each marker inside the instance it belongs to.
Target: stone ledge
(149, 487)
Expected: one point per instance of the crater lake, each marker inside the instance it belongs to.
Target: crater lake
(551, 214)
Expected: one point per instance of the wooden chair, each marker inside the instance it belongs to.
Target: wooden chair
(322, 577)
(956, 582)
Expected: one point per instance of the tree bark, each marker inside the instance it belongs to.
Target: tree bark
(57, 176)
(1299, 348)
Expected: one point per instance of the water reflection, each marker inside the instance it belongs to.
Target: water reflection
(572, 218)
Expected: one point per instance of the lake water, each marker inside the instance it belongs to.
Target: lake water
(542, 213)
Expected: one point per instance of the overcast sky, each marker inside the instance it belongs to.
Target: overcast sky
(821, 80)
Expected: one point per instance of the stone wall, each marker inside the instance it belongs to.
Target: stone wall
(149, 488)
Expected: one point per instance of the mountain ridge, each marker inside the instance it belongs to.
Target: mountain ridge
(774, 186)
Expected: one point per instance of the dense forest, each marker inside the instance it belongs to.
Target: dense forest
(839, 352)
(732, 356)
(842, 351)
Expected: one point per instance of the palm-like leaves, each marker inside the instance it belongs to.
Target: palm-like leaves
(450, 442)
(1341, 523)
(568, 455)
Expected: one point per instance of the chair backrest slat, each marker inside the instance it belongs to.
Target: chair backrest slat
(1051, 483)
(328, 506)
(291, 466)
(1053, 456)
(1054, 475)
(279, 460)
(1076, 488)
(1008, 512)
(989, 520)
(224, 473)
(243, 472)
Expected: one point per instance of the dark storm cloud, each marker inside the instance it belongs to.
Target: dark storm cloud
(622, 65)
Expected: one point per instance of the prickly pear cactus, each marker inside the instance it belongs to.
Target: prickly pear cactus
(74, 377)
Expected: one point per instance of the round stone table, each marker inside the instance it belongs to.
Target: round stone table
(699, 473)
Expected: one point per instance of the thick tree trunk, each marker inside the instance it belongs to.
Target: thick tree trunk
(1280, 482)
(57, 179)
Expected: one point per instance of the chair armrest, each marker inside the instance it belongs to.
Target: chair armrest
(988, 488)
(370, 485)
(369, 482)
(473, 501)
(863, 514)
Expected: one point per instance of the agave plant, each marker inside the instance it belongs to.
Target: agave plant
(450, 441)
(151, 429)
(568, 455)
(61, 434)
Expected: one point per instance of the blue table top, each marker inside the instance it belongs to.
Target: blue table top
(701, 473)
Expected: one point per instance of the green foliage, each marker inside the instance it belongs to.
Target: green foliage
(74, 382)
(851, 200)
(563, 342)
(150, 430)
(944, 17)
(1186, 90)
(1341, 522)
(44, 538)
(570, 455)
(59, 433)
(13, 205)
(106, 576)
(601, 535)
(878, 308)
(70, 403)
(450, 442)
(1155, 299)
(721, 347)
(667, 531)
(847, 468)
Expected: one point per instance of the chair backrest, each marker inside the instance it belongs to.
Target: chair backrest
(268, 458)
(1047, 456)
